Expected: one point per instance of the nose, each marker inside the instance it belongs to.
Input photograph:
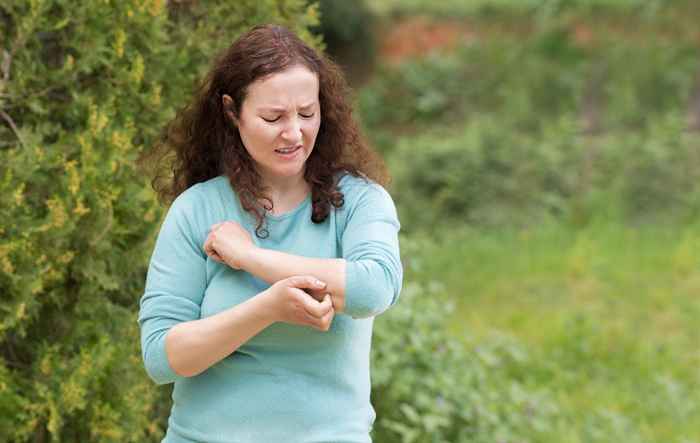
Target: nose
(292, 132)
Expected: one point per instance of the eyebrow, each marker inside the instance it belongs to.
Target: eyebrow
(278, 109)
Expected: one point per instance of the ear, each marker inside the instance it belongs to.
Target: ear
(229, 107)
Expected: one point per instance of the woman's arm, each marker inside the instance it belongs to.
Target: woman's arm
(175, 284)
(231, 244)
(364, 282)
(270, 266)
(193, 346)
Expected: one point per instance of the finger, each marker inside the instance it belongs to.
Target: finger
(324, 323)
(215, 226)
(311, 306)
(326, 304)
(305, 281)
(208, 249)
(318, 294)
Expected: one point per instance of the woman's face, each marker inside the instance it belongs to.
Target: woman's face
(279, 121)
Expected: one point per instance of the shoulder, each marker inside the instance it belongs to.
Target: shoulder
(192, 208)
(356, 188)
(196, 197)
(361, 194)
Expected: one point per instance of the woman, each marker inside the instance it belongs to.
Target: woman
(279, 249)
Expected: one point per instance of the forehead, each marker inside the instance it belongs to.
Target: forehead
(296, 85)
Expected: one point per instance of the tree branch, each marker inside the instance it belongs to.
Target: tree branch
(12, 125)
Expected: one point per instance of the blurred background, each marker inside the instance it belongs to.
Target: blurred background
(545, 157)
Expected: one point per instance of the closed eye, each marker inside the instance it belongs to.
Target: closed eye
(278, 117)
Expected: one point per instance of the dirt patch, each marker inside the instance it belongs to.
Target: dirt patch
(418, 36)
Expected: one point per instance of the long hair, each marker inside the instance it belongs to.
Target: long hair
(201, 143)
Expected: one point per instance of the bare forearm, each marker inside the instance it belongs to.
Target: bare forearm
(271, 266)
(194, 346)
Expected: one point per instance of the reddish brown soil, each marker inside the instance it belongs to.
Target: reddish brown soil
(418, 36)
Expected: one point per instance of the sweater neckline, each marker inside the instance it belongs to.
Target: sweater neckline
(273, 217)
(292, 212)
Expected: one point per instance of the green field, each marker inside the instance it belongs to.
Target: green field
(608, 316)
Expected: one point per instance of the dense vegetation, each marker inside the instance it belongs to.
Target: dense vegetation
(546, 162)
(547, 170)
(503, 130)
(85, 86)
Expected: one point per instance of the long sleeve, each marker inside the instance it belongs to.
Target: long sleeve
(175, 285)
(370, 246)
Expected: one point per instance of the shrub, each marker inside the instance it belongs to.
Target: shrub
(532, 82)
(347, 27)
(428, 386)
(489, 173)
(84, 86)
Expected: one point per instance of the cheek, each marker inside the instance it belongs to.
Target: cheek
(255, 135)
(311, 129)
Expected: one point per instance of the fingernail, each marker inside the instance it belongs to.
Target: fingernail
(319, 283)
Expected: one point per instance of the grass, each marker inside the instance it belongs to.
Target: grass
(609, 315)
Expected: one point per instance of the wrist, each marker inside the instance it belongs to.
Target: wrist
(250, 258)
(268, 306)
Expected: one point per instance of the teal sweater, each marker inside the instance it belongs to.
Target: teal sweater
(289, 383)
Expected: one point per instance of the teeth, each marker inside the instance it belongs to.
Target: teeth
(286, 150)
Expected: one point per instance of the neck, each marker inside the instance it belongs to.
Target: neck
(283, 187)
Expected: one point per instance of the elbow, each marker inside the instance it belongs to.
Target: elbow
(156, 362)
(372, 288)
(372, 303)
(158, 377)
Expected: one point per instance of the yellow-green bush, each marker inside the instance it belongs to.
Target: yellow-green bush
(84, 88)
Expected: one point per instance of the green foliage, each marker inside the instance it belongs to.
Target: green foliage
(574, 298)
(503, 131)
(430, 387)
(345, 24)
(525, 83)
(644, 83)
(489, 173)
(531, 82)
(540, 8)
(591, 129)
(84, 87)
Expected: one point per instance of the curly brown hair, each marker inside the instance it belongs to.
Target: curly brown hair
(201, 142)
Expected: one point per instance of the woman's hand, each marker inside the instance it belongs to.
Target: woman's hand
(229, 243)
(289, 303)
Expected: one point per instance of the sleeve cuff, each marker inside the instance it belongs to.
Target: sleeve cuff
(158, 365)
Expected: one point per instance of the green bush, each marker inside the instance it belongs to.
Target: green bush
(489, 173)
(431, 387)
(525, 83)
(507, 131)
(547, 9)
(347, 29)
(84, 87)
(645, 83)
(531, 82)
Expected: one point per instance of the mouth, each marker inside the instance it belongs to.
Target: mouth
(289, 150)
